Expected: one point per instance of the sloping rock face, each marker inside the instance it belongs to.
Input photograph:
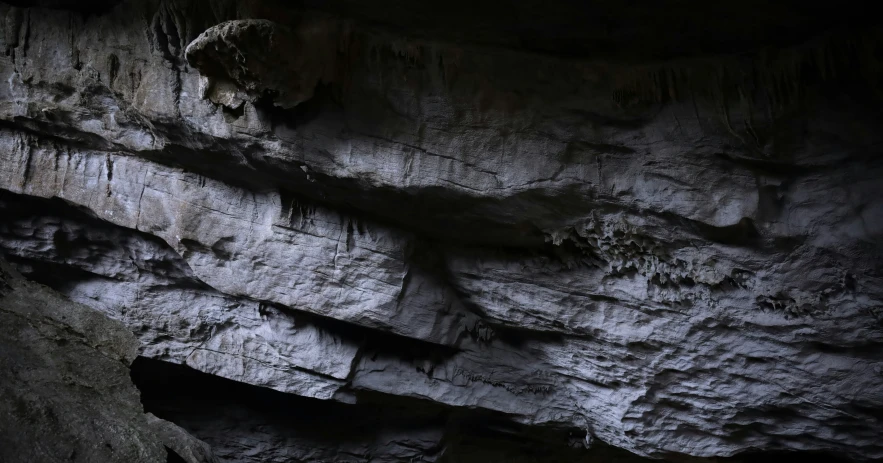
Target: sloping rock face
(331, 209)
(65, 394)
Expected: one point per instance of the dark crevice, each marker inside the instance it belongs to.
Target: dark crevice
(743, 233)
(193, 400)
(233, 114)
(283, 119)
(792, 456)
(769, 167)
(173, 457)
(204, 405)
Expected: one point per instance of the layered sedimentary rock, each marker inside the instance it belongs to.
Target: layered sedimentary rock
(608, 253)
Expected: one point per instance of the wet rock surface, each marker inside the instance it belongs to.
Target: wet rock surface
(325, 207)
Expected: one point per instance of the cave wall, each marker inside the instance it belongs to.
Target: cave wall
(336, 209)
(66, 394)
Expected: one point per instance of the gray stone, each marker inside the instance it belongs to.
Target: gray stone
(251, 59)
(65, 394)
(327, 208)
(190, 449)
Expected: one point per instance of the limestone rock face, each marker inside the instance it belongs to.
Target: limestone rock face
(329, 208)
(65, 394)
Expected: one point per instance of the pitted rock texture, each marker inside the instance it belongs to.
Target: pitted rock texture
(65, 393)
(264, 59)
(329, 209)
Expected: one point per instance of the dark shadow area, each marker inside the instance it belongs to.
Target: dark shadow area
(379, 427)
(173, 457)
(84, 6)
(231, 416)
(165, 387)
(791, 456)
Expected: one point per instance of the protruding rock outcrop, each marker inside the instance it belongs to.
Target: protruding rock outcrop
(65, 392)
(252, 59)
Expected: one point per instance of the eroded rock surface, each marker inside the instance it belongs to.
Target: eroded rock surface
(253, 59)
(329, 209)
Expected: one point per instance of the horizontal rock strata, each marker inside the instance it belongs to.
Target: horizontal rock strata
(326, 208)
